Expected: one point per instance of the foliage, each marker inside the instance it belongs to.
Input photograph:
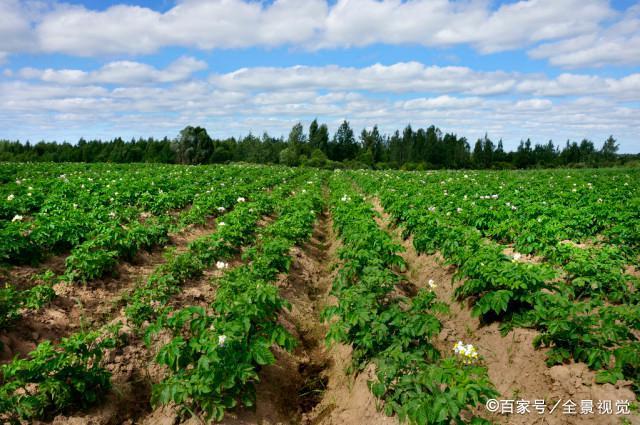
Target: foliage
(571, 236)
(13, 301)
(407, 148)
(215, 353)
(390, 330)
(56, 377)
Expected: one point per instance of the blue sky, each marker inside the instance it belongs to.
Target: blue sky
(539, 69)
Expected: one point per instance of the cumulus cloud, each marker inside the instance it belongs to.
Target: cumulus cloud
(533, 105)
(399, 78)
(67, 108)
(440, 103)
(119, 72)
(618, 44)
(444, 23)
(402, 77)
(191, 23)
(15, 27)
(415, 77)
(567, 32)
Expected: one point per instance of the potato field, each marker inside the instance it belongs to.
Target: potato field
(250, 294)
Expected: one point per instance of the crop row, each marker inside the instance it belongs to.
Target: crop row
(70, 374)
(92, 205)
(111, 242)
(391, 330)
(115, 241)
(234, 230)
(585, 308)
(74, 205)
(216, 353)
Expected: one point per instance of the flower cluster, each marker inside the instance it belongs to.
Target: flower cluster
(221, 340)
(241, 199)
(17, 217)
(432, 284)
(221, 209)
(467, 352)
(345, 198)
(489, 196)
(11, 197)
(221, 265)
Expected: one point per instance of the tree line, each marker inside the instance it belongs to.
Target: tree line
(411, 149)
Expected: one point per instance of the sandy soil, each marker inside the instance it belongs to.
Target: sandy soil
(516, 369)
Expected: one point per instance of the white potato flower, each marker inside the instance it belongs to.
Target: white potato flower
(221, 340)
(467, 352)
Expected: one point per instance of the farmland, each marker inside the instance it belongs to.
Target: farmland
(241, 294)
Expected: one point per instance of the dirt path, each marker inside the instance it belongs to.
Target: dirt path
(87, 306)
(517, 369)
(310, 385)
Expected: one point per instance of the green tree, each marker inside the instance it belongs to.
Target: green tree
(318, 136)
(193, 146)
(344, 143)
(609, 149)
(288, 157)
(297, 139)
(587, 151)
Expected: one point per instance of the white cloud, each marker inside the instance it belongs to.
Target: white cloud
(37, 109)
(618, 44)
(135, 99)
(444, 23)
(414, 77)
(191, 23)
(15, 27)
(120, 72)
(440, 102)
(398, 78)
(569, 33)
(533, 105)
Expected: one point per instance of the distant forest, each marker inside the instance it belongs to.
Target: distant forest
(410, 150)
